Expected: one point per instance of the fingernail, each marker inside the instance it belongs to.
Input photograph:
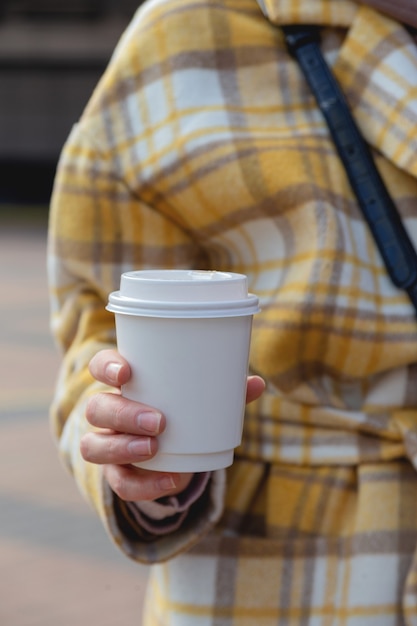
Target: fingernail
(140, 447)
(149, 421)
(166, 483)
(112, 371)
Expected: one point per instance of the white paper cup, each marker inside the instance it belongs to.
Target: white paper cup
(186, 336)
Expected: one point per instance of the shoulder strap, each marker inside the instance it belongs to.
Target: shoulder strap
(374, 200)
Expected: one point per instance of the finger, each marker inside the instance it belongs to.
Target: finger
(255, 388)
(109, 367)
(113, 411)
(103, 448)
(135, 484)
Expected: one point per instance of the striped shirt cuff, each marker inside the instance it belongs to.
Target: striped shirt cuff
(166, 514)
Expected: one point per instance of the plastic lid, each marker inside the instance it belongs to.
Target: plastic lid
(183, 293)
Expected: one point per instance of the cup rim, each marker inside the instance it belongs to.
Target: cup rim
(121, 305)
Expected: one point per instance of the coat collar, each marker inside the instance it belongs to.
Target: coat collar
(320, 12)
(330, 12)
(371, 60)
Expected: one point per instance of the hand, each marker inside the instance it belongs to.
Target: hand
(126, 432)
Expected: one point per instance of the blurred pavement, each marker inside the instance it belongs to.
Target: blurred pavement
(57, 566)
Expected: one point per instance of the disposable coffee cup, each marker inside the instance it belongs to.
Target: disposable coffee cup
(186, 336)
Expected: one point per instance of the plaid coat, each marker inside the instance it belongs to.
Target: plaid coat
(202, 147)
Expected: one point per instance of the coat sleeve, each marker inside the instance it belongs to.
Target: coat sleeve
(98, 229)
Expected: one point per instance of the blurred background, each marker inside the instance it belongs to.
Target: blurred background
(57, 566)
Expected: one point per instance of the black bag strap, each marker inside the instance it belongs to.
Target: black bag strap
(374, 200)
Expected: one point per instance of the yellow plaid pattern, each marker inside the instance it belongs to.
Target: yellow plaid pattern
(321, 554)
(202, 147)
